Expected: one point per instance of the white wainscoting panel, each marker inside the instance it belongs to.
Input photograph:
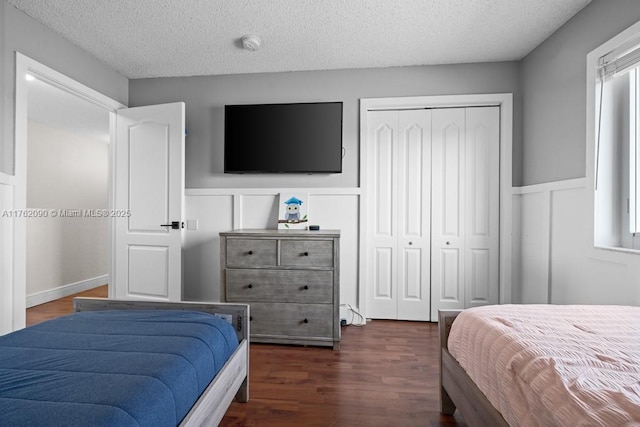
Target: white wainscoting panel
(533, 283)
(516, 249)
(6, 255)
(579, 277)
(218, 210)
(341, 212)
(201, 248)
(556, 261)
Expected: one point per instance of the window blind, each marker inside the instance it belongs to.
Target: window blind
(620, 60)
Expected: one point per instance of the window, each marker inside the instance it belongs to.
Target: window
(614, 94)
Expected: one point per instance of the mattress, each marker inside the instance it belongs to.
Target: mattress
(111, 368)
(552, 365)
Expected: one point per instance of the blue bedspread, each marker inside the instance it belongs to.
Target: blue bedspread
(116, 368)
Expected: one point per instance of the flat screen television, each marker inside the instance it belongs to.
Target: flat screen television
(283, 138)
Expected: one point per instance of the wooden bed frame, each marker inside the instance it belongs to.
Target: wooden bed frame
(232, 380)
(457, 390)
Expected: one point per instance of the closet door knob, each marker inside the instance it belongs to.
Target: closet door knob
(250, 253)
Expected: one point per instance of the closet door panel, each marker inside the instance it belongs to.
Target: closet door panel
(448, 207)
(478, 277)
(414, 192)
(383, 274)
(410, 280)
(449, 273)
(382, 211)
(482, 205)
(414, 177)
(449, 174)
(385, 191)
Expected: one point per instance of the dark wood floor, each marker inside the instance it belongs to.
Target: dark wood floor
(61, 306)
(386, 374)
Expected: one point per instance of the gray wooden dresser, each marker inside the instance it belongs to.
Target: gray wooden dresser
(290, 279)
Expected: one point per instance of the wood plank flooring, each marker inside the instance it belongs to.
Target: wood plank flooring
(386, 374)
(62, 306)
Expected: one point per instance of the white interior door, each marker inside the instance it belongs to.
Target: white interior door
(399, 214)
(149, 193)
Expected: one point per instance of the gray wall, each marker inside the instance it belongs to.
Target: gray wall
(554, 91)
(23, 34)
(205, 98)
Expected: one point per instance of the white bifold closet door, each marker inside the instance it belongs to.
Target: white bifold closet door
(465, 208)
(399, 214)
(433, 211)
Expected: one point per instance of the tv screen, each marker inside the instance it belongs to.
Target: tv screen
(283, 138)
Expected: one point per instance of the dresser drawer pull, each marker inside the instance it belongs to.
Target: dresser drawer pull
(305, 321)
(305, 287)
(306, 254)
(250, 253)
(250, 286)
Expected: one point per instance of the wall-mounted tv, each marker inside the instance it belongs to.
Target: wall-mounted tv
(283, 138)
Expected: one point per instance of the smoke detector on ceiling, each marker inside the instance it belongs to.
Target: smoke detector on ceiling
(251, 42)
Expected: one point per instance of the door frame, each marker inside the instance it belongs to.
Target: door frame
(502, 100)
(24, 66)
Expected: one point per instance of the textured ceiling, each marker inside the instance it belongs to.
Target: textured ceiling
(160, 38)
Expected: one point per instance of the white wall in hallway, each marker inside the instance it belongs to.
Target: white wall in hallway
(6, 254)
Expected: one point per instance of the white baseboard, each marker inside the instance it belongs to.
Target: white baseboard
(65, 290)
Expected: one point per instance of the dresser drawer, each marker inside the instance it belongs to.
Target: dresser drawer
(306, 253)
(251, 252)
(279, 285)
(292, 320)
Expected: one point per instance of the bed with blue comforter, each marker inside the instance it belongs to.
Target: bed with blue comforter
(111, 368)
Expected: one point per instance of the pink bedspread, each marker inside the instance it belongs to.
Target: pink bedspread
(553, 365)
